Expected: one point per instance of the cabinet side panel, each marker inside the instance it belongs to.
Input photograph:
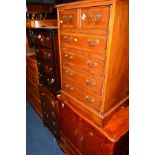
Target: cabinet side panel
(118, 74)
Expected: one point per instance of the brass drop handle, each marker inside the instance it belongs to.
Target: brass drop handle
(64, 18)
(91, 64)
(93, 42)
(89, 100)
(39, 36)
(90, 83)
(68, 73)
(61, 21)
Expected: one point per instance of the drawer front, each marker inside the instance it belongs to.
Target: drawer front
(88, 99)
(47, 68)
(32, 77)
(90, 65)
(68, 18)
(86, 82)
(31, 64)
(89, 43)
(45, 54)
(33, 88)
(43, 39)
(95, 17)
(49, 81)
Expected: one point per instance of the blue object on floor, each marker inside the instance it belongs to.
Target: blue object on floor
(39, 140)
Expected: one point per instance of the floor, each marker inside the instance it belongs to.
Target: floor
(39, 140)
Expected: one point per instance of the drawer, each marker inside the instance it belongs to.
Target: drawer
(49, 81)
(95, 17)
(33, 88)
(87, 82)
(83, 61)
(45, 54)
(32, 76)
(43, 39)
(68, 18)
(31, 64)
(90, 100)
(90, 43)
(47, 68)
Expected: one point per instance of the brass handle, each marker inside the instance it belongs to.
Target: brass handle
(39, 36)
(61, 21)
(89, 100)
(52, 103)
(93, 42)
(90, 83)
(69, 18)
(91, 64)
(68, 38)
(68, 73)
(64, 18)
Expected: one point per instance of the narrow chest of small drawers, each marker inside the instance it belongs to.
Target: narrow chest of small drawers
(93, 37)
(46, 47)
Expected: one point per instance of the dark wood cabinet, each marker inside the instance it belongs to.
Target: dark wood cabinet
(84, 138)
(50, 110)
(47, 59)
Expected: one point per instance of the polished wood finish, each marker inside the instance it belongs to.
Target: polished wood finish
(93, 38)
(41, 23)
(39, 8)
(50, 109)
(81, 137)
(32, 81)
(46, 50)
(93, 48)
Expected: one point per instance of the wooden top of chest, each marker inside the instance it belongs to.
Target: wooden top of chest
(87, 3)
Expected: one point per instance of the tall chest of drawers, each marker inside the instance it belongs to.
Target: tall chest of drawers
(45, 41)
(93, 36)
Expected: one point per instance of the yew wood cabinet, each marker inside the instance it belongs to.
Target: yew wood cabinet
(93, 49)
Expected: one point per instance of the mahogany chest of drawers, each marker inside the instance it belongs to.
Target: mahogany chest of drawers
(32, 81)
(45, 42)
(93, 37)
